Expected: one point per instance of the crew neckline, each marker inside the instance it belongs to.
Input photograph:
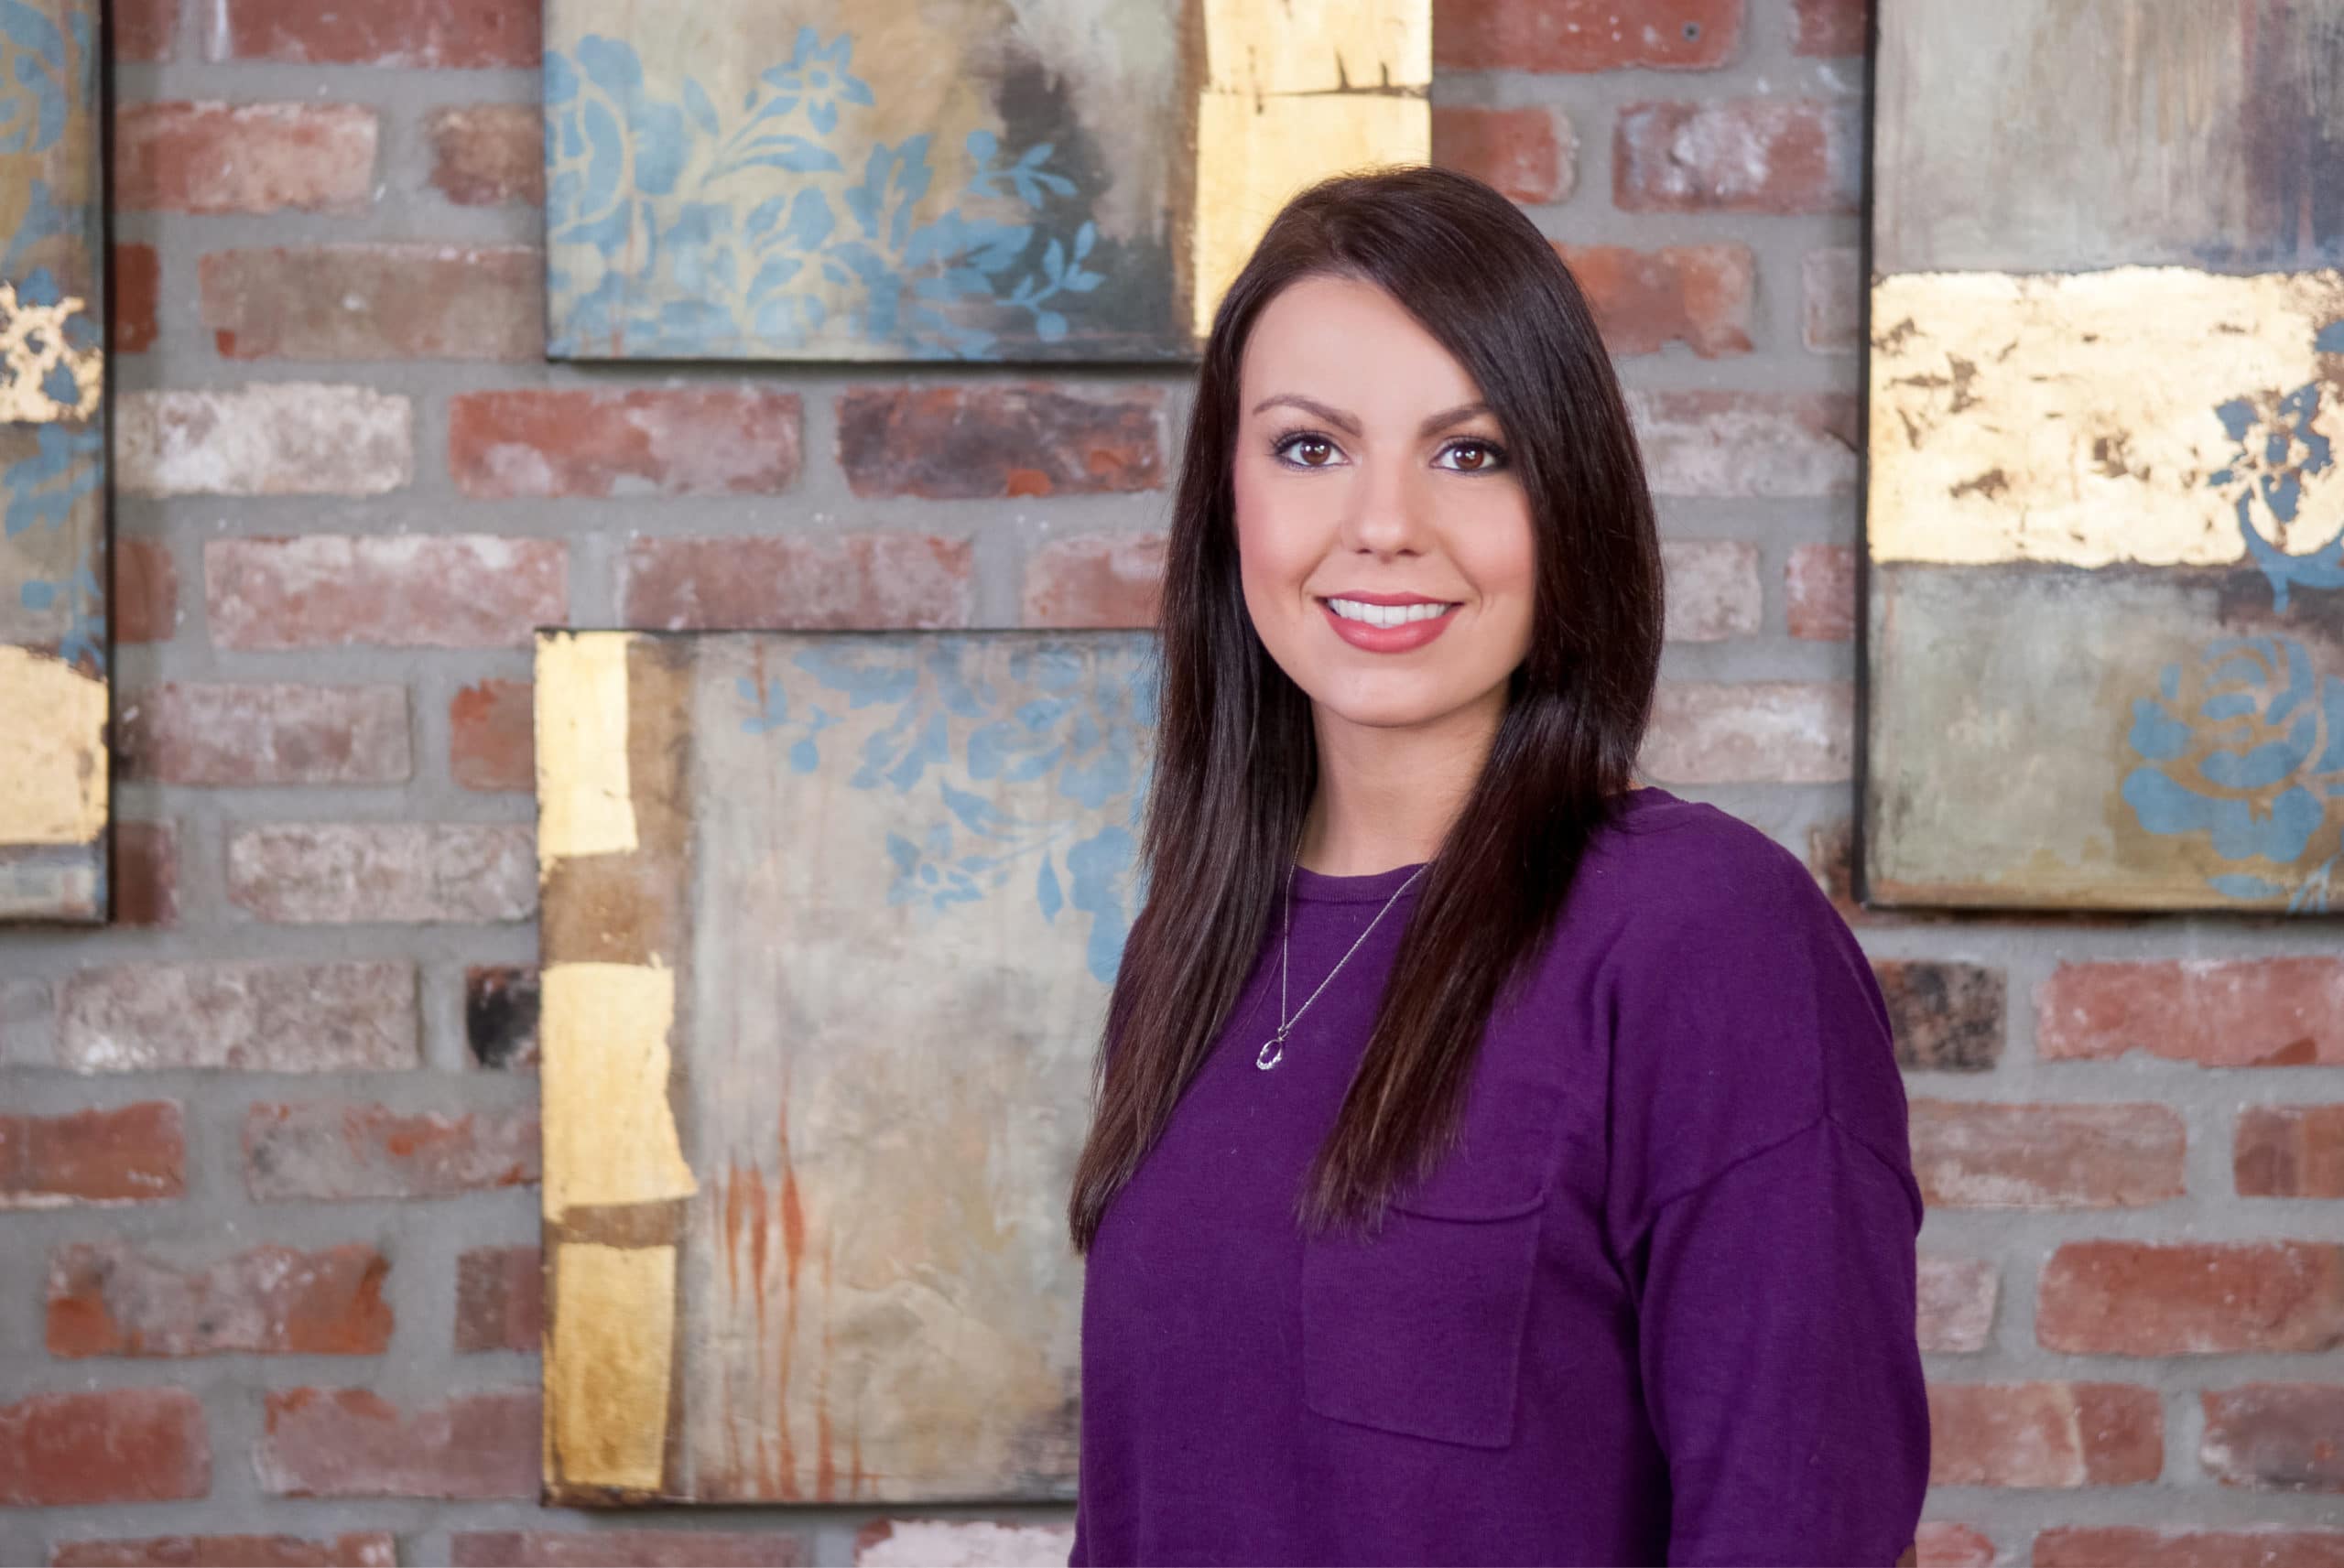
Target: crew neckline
(1318, 887)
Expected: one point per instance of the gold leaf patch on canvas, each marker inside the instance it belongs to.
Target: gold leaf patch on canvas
(2078, 417)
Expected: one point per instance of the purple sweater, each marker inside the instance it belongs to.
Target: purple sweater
(1659, 1309)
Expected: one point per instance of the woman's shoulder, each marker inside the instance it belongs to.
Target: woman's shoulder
(1674, 871)
(1739, 1006)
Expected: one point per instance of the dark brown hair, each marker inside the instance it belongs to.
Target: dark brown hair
(1236, 761)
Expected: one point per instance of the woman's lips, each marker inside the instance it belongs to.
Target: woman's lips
(1397, 639)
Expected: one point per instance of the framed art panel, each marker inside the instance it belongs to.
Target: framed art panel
(1045, 180)
(2104, 512)
(829, 923)
(53, 644)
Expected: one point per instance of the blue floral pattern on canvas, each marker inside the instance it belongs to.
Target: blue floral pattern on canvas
(1076, 719)
(2264, 478)
(2244, 746)
(659, 243)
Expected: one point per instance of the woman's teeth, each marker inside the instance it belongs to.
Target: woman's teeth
(1386, 614)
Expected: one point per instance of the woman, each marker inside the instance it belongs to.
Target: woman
(1494, 1159)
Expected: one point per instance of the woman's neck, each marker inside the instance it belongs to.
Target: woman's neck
(1386, 796)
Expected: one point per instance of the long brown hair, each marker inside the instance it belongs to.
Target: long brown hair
(1236, 760)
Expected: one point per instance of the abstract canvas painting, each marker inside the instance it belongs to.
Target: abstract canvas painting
(53, 647)
(2104, 522)
(944, 179)
(828, 929)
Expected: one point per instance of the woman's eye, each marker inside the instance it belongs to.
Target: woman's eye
(1307, 451)
(1476, 457)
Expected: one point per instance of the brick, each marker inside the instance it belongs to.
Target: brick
(375, 301)
(245, 158)
(136, 286)
(487, 155)
(115, 1300)
(142, 30)
(423, 35)
(1644, 301)
(2219, 1012)
(360, 1549)
(1945, 1017)
(345, 873)
(964, 443)
(1982, 1154)
(121, 1445)
(1957, 1303)
(390, 591)
(336, 1151)
(1819, 591)
(2045, 1435)
(492, 735)
(1713, 591)
(645, 442)
(1747, 155)
(2289, 1152)
(266, 734)
(1940, 1544)
(351, 1443)
(1832, 303)
(2279, 1437)
(1095, 580)
(134, 1154)
(2131, 1298)
(1585, 35)
(255, 1017)
(361, 873)
(1737, 445)
(1752, 732)
(774, 582)
(959, 1543)
(1530, 155)
(145, 591)
(285, 438)
(2133, 1546)
(1828, 27)
(500, 1299)
(626, 1549)
(501, 1004)
(145, 874)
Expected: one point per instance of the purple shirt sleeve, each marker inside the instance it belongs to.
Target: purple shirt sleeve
(1779, 1357)
(1765, 1210)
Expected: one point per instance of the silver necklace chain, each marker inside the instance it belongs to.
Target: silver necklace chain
(1274, 1049)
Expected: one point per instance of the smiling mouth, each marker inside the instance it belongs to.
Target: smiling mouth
(1385, 615)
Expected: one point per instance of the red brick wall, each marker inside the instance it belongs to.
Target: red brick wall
(268, 1148)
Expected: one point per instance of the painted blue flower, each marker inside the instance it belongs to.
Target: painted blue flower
(588, 196)
(2278, 450)
(2244, 745)
(37, 65)
(817, 74)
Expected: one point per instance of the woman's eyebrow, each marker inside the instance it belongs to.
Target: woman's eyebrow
(1349, 424)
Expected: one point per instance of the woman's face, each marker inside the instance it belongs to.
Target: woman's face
(1369, 478)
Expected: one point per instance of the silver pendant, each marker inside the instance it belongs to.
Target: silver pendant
(1273, 1050)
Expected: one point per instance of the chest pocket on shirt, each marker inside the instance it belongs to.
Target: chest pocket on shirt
(1420, 1329)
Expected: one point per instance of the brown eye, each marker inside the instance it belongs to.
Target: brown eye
(1318, 452)
(1476, 457)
